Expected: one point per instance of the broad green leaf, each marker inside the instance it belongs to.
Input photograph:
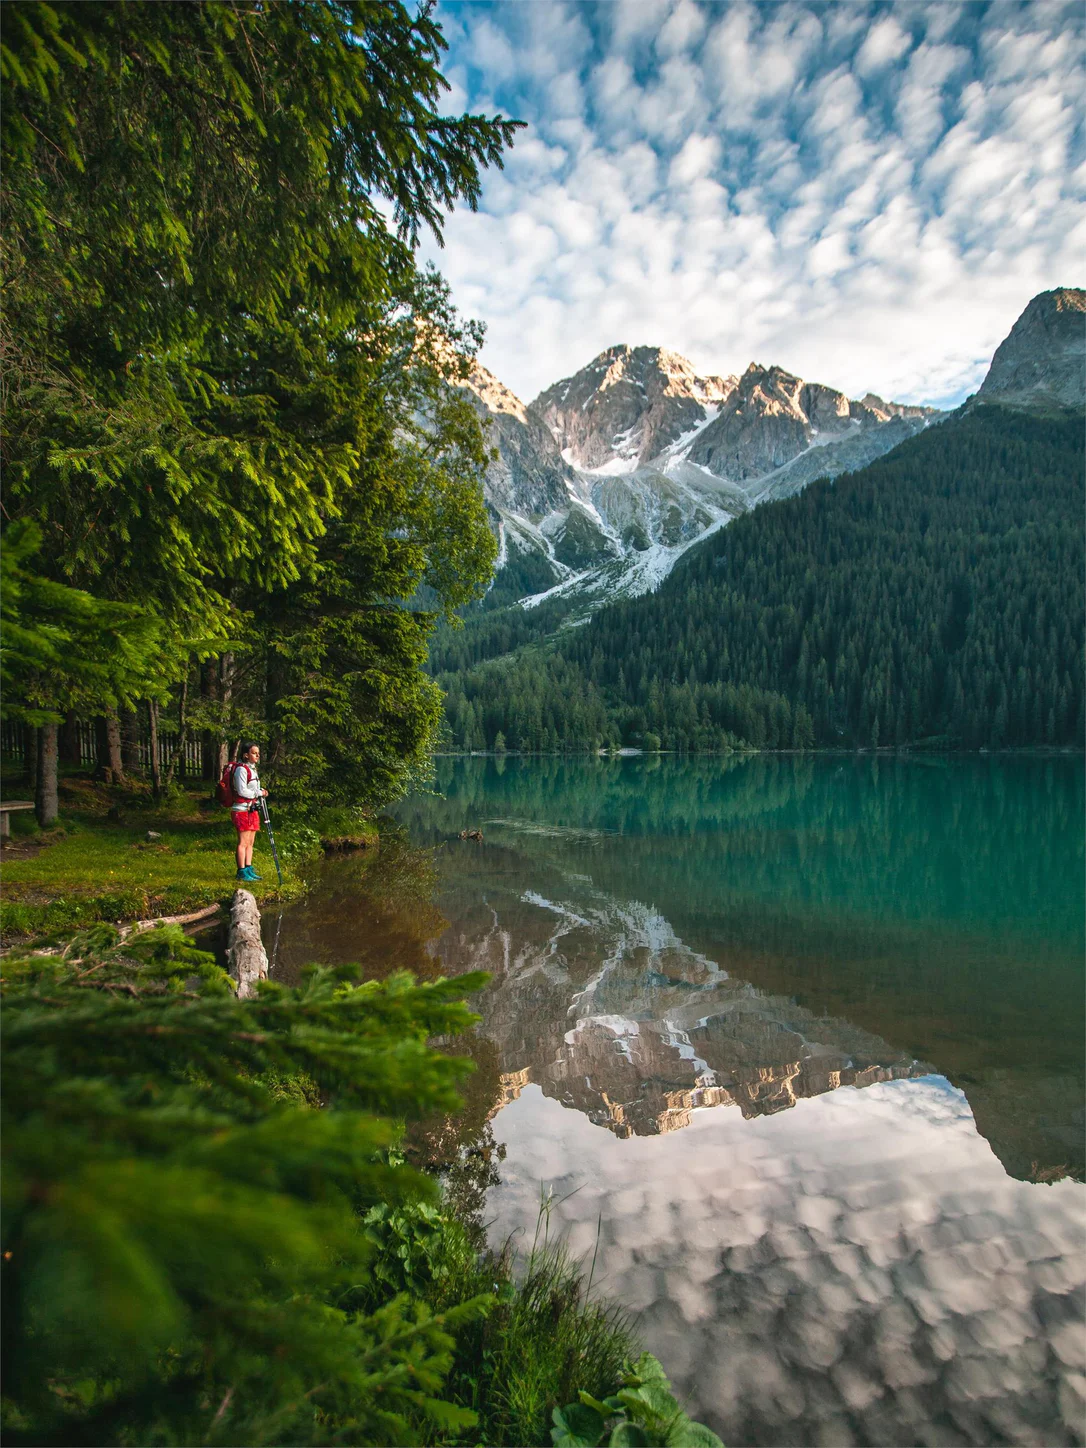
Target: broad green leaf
(576, 1426)
(630, 1435)
(685, 1433)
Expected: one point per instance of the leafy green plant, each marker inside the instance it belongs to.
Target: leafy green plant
(182, 1228)
(410, 1245)
(542, 1336)
(642, 1412)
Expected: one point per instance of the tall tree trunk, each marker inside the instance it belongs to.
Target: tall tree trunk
(130, 741)
(68, 750)
(178, 756)
(226, 693)
(276, 686)
(156, 762)
(108, 736)
(45, 798)
(209, 749)
(30, 757)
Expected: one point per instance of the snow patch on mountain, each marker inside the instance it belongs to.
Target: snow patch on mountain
(611, 475)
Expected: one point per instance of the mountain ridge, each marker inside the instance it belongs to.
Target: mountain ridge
(607, 477)
(1042, 360)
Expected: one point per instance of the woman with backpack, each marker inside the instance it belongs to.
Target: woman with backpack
(245, 790)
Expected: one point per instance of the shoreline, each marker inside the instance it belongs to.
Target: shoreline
(1039, 751)
(115, 856)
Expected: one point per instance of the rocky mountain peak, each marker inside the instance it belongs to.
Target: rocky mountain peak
(627, 405)
(611, 473)
(771, 417)
(1042, 361)
(881, 411)
(494, 394)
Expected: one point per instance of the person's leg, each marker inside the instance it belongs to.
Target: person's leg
(240, 851)
(248, 839)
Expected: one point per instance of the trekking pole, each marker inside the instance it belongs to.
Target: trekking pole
(271, 836)
(275, 947)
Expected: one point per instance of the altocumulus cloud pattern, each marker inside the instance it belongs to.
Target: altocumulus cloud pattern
(865, 194)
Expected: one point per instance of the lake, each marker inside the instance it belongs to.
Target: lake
(793, 1044)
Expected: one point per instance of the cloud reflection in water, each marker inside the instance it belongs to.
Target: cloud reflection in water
(858, 1269)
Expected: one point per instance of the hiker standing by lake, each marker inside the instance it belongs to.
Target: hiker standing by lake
(245, 784)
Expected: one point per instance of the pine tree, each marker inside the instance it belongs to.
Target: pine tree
(183, 1177)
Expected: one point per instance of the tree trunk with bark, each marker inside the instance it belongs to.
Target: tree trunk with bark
(68, 750)
(130, 742)
(108, 738)
(177, 759)
(226, 693)
(247, 960)
(30, 757)
(156, 760)
(46, 805)
(209, 748)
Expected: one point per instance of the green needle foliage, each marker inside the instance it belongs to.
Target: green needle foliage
(62, 648)
(185, 1181)
(229, 389)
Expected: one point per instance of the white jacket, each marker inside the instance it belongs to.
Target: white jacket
(246, 785)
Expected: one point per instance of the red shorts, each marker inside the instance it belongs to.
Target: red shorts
(246, 821)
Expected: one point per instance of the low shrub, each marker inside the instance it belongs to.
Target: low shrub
(181, 1233)
(642, 1411)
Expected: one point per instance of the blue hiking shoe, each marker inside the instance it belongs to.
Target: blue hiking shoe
(250, 873)
(241, 875)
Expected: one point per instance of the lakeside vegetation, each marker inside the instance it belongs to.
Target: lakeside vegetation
(233, 446)
(211, 1235)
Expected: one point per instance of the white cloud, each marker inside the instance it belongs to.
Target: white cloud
(866, 196)
(682, 29)
(885, 42)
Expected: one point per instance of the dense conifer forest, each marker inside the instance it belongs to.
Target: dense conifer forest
(935, 598)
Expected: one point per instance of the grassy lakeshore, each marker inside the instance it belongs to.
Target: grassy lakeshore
(99, 864)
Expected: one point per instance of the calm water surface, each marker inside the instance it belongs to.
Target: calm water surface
(802, 1039)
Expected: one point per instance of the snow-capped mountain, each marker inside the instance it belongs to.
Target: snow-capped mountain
(606, 479)
(627, 406)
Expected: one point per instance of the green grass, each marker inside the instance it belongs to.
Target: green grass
(92, 867)
(544, 1340)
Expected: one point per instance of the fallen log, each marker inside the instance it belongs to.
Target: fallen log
(247, 960)
(136, 928)
(189, 919)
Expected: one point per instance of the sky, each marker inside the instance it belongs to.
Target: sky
(865, 194)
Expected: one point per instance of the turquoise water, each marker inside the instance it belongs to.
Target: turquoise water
(801, 1040)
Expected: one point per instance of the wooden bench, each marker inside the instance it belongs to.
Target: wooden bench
(5, 810)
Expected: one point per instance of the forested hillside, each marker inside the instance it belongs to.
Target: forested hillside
(935, 597)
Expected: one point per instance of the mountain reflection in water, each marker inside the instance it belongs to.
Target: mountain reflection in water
(601, 1004)
(897, 1264)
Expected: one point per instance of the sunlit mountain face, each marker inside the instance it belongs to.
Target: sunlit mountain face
(600, 485)
(604, 481)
